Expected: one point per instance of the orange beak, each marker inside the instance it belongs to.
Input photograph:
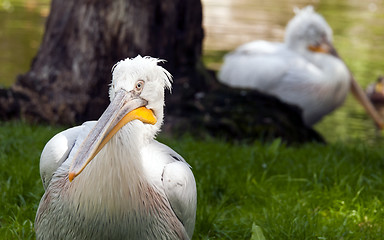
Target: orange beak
(125, 107)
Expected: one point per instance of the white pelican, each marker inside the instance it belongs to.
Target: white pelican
(305, 70)
(110, 179)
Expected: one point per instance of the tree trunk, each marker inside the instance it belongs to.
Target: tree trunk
(69, 77)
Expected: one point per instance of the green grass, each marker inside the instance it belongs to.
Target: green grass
(314, 191)
(308, 192)
(20, 184)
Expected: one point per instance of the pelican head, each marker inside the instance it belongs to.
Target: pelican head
(308, 32)
(136, 93)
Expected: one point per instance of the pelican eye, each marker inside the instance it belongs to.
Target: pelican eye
(139, 86)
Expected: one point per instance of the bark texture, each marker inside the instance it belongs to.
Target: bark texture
(69, 77)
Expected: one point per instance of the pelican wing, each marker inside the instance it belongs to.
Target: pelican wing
(58, 148)
(169, 171)
(266, 66)
(180, 187)
(256, 64)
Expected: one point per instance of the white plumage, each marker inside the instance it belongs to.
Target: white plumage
(305, 70)
(133, 187)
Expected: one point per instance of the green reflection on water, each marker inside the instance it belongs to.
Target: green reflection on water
(21, 30)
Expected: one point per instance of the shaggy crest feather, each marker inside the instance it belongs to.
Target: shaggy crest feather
(138, 67)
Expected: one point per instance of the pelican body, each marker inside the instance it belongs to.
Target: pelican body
(109, 179)
(304, 70)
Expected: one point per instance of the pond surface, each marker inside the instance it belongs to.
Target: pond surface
(358, 36)
(21, 29)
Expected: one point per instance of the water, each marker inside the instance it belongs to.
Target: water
(358, 34)
(21, 30)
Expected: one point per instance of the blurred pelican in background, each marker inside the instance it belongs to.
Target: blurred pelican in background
(305, 70)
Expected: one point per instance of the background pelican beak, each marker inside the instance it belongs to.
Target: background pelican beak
(324, 47)
(125, 107)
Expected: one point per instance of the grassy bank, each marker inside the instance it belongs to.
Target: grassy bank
(332, 191)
